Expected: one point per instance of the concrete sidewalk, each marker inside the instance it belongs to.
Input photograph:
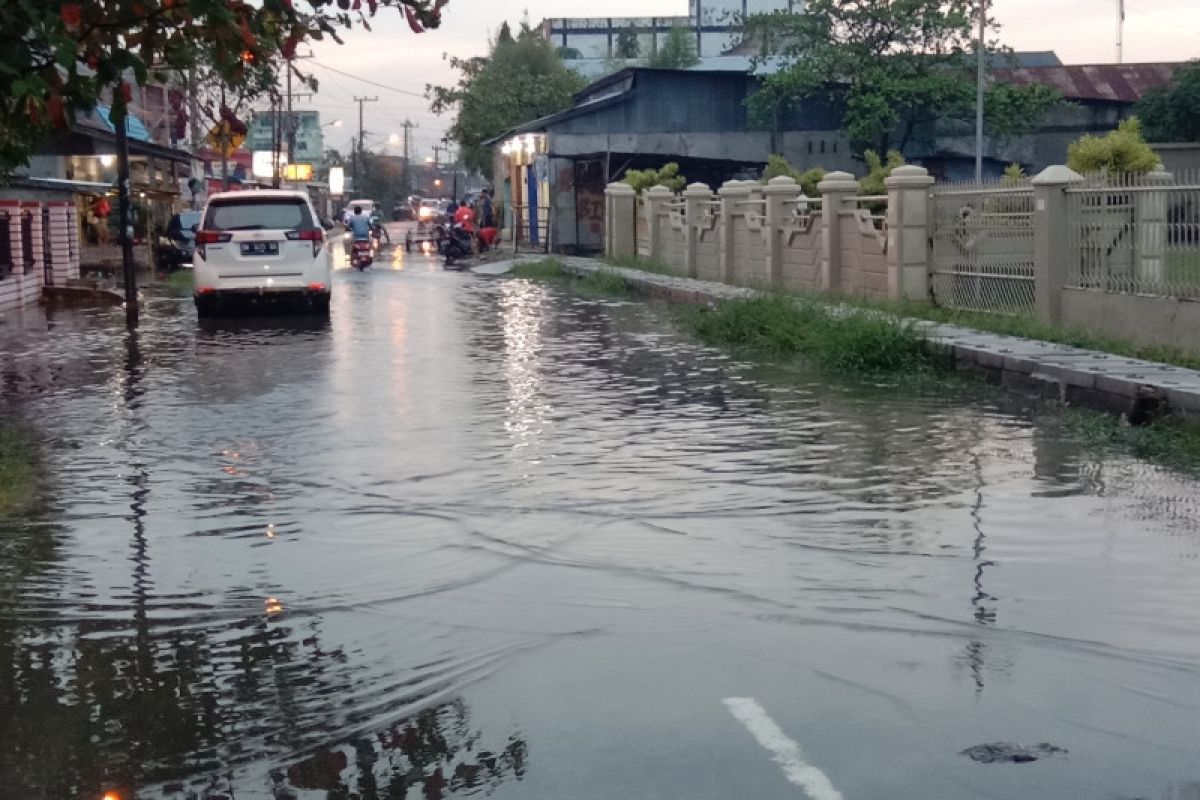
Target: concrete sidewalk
(1077, 377)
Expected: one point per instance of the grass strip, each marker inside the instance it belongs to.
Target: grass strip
(1021, 325)
(780, 325)
(20, 468)
(599, 283)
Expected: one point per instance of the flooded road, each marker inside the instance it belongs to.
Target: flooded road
(477, 537)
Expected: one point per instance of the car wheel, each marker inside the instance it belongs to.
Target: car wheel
(320, 305)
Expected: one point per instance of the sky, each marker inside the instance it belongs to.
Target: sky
(1080, 31)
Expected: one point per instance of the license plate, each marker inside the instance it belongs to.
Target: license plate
(260, 248)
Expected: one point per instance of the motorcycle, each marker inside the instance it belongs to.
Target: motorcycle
(362, 253)
(454, 243)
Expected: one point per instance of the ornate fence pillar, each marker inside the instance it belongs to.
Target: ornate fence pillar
(778, 192)
(656, 199)
(732, 193)
(908, 232)
(620, 225)
(1052, 239)
(1150, 222)
(695, 199)
(836, 190)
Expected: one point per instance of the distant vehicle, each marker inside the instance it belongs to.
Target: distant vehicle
(430, 209)
(401, 211)
(263, 244)
(177, 247)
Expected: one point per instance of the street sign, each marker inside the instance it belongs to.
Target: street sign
(222, 138)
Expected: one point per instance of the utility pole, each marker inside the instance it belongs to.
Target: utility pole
(979, 57)
(120, 119)
(358, 158)
(408, 125)
(1120, 31)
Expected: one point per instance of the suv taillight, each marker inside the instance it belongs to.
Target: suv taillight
(204, 238)
(314, 235)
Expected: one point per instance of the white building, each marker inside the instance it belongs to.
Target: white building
(714, 23)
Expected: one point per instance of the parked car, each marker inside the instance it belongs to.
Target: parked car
(257, 246)
(177, 246)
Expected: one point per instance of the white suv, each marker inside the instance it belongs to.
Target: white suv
(261, 244)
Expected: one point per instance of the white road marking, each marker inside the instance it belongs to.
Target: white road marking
(783, 750)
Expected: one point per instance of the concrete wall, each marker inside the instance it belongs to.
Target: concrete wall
(1144, 319)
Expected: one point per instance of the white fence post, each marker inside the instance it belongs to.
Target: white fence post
(695, 197)
(836, 190)
(732, 193)
(656, 199)
(779, 191)
(1052, 239)
(620, 229)
(908, 232)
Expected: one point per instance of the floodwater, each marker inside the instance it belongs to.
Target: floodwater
(477, 537)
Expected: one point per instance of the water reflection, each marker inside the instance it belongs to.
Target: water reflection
(436, 751)
(365, 557)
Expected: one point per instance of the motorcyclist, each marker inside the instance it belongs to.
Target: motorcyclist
(360, 225)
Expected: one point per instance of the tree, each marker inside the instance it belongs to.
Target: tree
(518, 81)
(1172, 113)
(778, 166)
(59, 56)
(628, 46)
(1122, 151)
(678, 50)
(889, 67)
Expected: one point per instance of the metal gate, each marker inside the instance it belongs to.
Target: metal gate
(983, 256)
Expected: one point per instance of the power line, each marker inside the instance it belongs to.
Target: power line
(372, 83)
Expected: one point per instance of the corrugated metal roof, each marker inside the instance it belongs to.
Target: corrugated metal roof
(1117, 83)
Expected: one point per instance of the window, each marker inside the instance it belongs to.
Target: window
(822, 146)
(272, 213)
(810, 147)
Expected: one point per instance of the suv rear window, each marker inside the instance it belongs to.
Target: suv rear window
(254, 214)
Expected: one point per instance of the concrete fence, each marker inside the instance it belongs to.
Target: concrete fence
(1117, 256)
(751, 234)
(39, 246)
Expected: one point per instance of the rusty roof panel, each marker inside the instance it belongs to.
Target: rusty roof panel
(1118, 83)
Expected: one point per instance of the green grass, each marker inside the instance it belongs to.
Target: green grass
(781, 326)
(639, 262)
(1166, 440)
(601, 283)
(179, 282)
(1021, 325)
(20, 469)
(546, 269)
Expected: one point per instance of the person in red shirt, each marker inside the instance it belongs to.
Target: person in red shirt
(465, 216)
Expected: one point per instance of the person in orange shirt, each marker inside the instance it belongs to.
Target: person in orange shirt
(465, 216)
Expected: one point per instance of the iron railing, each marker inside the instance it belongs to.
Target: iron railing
(1136, 234)
(983, 247)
